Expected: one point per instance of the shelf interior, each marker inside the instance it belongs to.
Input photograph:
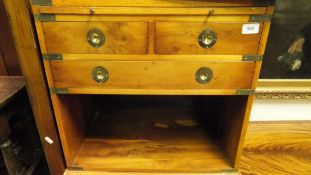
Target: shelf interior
(150, 140)
(177, 134)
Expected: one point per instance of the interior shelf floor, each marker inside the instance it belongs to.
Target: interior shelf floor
(164, 139)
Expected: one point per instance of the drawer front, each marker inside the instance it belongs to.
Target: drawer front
(96, 37)
(190, 38)
(152, 74)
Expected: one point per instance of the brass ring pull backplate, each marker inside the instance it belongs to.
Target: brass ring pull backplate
(204, 75)
(207, 38)
(100, 74)
(95, 37)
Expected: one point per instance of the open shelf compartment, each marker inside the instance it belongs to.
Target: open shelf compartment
(131, 133)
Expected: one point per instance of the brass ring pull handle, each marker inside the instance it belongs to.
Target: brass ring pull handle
(100, 74)
(207, 38)
(204, 75)
(95, 37)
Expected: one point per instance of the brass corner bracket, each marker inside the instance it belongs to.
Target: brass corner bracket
(53, 56)
(45, 17)
(259, 18)
(252, 57)
(245, 92)
(42, 2)
(59, 90)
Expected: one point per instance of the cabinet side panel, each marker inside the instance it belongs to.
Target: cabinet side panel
(28, 56)
(69, 113)
(233, 116)
(261, 51)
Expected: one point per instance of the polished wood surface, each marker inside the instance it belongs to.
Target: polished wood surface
(120, 37)
(277, 148)
(152, 75)
(182, 38)
(71, 129)
(30, 63)
(129, 140)
(261, 51)
(152, 91)
(186, 3)
(163, 18)
(70, 172)
(151, 57)
(234, 113)
(9, 86)
(271, 148)
(153, 11)
(156, 53)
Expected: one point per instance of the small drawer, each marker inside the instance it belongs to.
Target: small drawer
(205, 38)
(96, 37)
(152, 74)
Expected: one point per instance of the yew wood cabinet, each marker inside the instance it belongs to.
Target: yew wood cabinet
(152, 86)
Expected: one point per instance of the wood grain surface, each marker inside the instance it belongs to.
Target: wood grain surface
(9, 86)
(31, 66)
(182, 38)
(153, 11)
(73, 172)
(279, 148)
(271, 148)
(175, 3)
(153, 18)
(152, 75)
(144, 139)
(120, 37)
(139, 36)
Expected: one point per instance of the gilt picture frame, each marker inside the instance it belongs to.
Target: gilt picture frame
(286, 69)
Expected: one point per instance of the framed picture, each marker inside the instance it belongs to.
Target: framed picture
(286, 70)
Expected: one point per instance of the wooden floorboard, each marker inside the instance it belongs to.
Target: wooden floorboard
(277, 148)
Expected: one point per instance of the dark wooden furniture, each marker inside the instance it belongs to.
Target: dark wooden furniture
(19, 143)
(28, 55)
(10, 90)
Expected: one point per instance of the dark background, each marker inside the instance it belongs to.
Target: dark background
(289, 18)
(8, 58)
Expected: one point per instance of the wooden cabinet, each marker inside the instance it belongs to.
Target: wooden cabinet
(152, 86)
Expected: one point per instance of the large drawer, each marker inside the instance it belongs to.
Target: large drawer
(152, 74)
(96, 37)
(225, 38)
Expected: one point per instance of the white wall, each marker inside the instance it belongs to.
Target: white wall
(281, 109)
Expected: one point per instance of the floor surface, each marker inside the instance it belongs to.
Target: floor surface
(277, 148)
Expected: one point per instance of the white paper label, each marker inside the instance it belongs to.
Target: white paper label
(250, 28)
(49, 140)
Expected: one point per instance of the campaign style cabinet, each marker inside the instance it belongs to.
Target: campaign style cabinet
(161, 86)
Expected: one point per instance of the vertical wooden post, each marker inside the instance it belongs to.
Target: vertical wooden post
(29, 59)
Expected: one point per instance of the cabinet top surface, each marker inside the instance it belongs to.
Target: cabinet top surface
(154, 3)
